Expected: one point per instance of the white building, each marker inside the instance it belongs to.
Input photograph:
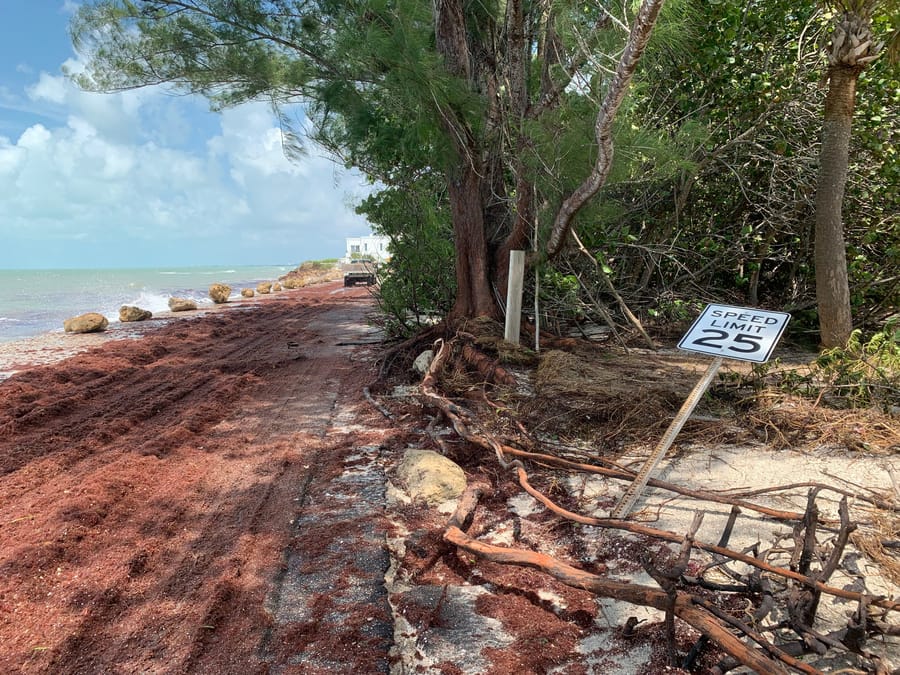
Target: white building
(372, 247)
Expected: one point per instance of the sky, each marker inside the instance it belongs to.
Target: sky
(147, 178)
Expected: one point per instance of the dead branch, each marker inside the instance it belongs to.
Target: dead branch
(880, 503)
(684, 605)
(758, 638)
(612, 289)
(712, 622)
(637, 528)
(375, 404)
(621, 473)
(455, 415)
(409, 345)
(668, 577)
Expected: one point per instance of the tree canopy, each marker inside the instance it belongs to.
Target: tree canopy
(403, 90)
(488, 127)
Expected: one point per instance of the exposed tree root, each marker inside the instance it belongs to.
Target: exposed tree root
(489, 369)
(624, 474)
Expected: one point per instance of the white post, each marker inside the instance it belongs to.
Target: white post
(514, 296)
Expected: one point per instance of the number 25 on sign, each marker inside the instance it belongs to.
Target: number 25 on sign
(735, 333)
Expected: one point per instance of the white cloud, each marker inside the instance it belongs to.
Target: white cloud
(48, 88)
(145, 171)
(35, 138)
(11, 157)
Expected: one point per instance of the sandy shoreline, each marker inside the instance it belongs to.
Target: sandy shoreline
(51, 347)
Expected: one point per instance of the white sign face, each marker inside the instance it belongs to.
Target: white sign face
(735, 333)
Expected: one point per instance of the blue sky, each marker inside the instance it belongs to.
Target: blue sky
(145, 178)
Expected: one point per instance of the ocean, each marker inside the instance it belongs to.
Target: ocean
(33, 302)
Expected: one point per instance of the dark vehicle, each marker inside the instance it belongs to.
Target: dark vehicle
(360, 271)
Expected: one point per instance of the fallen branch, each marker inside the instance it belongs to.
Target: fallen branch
(636, 528)
(684, 604)
(612, 289)
(626, 475)
(712, 622)
(455, 415)
(375, 404)
(880, 503)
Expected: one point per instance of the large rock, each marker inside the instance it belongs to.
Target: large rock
(219, 293)
(423, 361)
(92, 322)
(430, 476)
(276, 287)
(131, 313)
(248, 292)
(264, 287)
(181, 304)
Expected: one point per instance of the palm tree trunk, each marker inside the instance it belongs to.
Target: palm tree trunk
(832, 286)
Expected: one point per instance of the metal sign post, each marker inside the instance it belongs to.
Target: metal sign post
(724, 331)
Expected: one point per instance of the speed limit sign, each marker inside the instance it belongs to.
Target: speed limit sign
(735, 333)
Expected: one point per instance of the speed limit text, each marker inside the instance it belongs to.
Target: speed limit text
(742, 322)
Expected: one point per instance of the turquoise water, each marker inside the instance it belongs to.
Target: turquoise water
(38, 301)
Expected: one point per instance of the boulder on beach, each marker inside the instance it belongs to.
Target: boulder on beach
(248, 292)
(430, 477)
(92, 322)
(219, 293)
(423, 361)
(264, 287)
(181, 304)
(292, 282)
(131, 313)
(276, 287)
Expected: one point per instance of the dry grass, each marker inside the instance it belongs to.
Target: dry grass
(787, 421)
(886, 527)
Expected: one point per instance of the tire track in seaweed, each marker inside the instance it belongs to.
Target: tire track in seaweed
(163, 389)
(183, 545)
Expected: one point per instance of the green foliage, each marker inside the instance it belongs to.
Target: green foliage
(417, 284)
(710, 194)
(865, 372)
(669, 309)
(559, 293)
(725, 211)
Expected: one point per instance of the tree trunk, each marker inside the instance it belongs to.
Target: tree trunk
(465, 179)
(523, 214)
(603, 125)
(473, 287)
(832, 286)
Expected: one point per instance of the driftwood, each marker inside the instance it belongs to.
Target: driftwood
(799, 592)
(681, 604)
